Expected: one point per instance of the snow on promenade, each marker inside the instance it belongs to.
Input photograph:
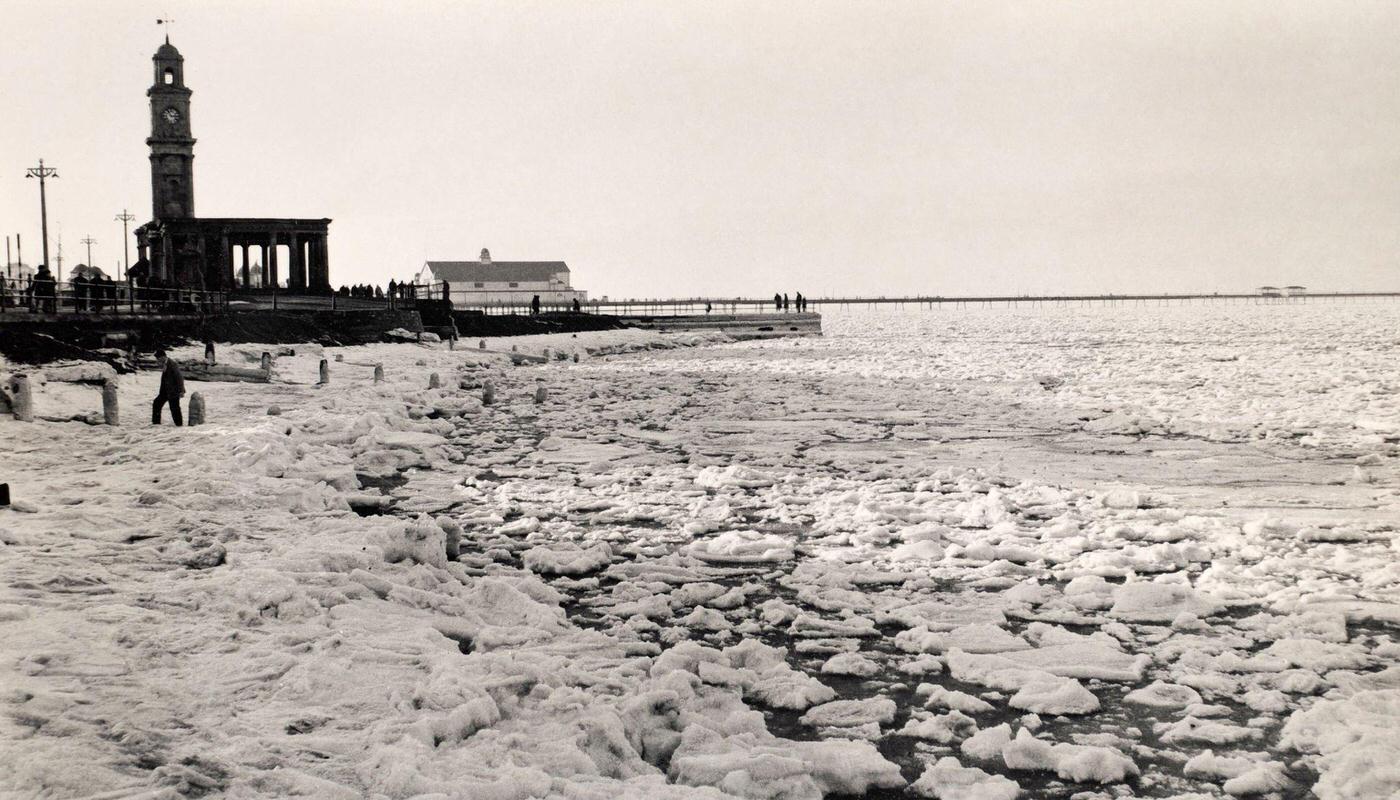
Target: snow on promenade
(951, 554)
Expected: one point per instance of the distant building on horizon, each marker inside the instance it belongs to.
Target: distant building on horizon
(17, 271)
(485, 282)
(87, 272)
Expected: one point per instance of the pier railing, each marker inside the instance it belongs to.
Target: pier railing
(735, 305)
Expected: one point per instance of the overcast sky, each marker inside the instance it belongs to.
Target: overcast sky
(725, 148)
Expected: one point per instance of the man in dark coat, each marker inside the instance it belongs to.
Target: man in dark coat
(80, 292)
(44, 289)
(172, 388)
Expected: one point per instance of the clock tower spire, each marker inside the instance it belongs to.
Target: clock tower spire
(172, 146)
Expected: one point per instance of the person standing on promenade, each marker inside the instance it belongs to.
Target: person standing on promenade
(786, 305)
(535, 306)
(800, 300)
(44, 289)
(172, 388)
(777, 302)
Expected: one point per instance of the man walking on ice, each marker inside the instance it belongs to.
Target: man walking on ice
(172, 388)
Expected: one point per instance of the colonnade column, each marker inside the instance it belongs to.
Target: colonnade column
(247, 270)
(226, 261)
(296, 277)
(272, 258)
(319, 273)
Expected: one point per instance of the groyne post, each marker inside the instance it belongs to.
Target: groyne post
(196, 409)
(110, 414)
(21, 398)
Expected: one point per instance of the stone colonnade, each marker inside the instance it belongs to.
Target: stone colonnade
(308, 256)
(205, 252)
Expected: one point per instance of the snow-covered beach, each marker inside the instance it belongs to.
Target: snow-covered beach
(1104, 551)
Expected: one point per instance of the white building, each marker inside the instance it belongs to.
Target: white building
(488, 283)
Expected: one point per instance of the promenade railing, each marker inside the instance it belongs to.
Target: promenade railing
(69, 298)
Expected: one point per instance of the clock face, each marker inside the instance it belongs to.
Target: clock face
(171, 115)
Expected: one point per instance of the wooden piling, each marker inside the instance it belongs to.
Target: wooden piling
(21, 399)
(196, 409)
(109, 402)
(325, 373)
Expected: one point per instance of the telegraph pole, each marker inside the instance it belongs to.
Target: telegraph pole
(126, 218)
(43, 173)
(89, 241)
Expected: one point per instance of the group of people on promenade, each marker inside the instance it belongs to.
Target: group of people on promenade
(781, 302)
(362, 291)
(37, 292)
(94, 294)
(41, 293)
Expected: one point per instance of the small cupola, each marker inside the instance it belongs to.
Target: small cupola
(485, 256)
(170, 66)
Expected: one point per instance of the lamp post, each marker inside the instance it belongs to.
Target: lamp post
(43, 173)
(125, 217)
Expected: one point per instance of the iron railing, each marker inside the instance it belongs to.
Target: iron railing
(97, 299)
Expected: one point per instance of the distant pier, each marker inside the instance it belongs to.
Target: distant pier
(749, 305)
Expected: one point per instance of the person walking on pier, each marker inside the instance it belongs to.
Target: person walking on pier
(172, 388)
(535, 306)
(777, 302)
(786, 305)
(800, 301)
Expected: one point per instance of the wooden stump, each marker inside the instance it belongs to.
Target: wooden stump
(209, 353)
(541, 394)
(196, 409)
(266, 361)
(325, 373)
(109, 402)
(378, 373)
(434, 382)
(21, 398)
(488, 393)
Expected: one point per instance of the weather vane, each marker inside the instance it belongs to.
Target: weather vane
(167, 30)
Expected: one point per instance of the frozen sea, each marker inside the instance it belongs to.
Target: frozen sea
(1063, 552)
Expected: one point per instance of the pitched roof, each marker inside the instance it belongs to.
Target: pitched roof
(496, 270)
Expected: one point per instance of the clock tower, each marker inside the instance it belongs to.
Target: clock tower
(172, 146)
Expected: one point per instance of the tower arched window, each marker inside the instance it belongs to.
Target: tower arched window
(168, 77)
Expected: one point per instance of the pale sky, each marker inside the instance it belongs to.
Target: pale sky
(742, 148)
